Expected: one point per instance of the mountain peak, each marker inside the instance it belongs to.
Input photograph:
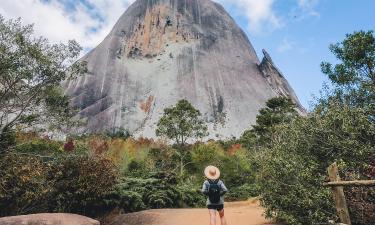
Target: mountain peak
(161, 51)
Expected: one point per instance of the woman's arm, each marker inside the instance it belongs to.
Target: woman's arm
(205, 188)
(224, 189)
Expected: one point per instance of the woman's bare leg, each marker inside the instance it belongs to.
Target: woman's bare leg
(222, 217)
(212, 216)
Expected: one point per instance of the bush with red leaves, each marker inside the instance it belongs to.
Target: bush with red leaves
(69, 146)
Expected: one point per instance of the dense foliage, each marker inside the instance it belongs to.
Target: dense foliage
(339, 129)
(98, 174)
(278, 110)
(294, 167)
(31, 71)
(41, 178)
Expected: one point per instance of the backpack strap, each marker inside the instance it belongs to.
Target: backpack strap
(213, 181)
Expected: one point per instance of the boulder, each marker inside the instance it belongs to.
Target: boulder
(48, 219)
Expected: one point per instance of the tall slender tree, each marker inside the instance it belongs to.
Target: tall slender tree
(181, 123)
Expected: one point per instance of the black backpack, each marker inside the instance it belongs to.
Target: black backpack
(214, 192)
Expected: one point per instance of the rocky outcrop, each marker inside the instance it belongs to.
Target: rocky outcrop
(48, 219)
(161, 51)
(277, 80)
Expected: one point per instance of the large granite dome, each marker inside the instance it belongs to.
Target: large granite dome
(161, 51)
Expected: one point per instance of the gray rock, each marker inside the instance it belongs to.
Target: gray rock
(277, 81)
(161, 51)
(48, 219)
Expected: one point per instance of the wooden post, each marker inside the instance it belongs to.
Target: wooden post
(357, 183)
(338, 195)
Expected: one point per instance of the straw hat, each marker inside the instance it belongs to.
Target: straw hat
(212, 172)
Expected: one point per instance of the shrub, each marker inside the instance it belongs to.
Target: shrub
(39, 146)
(237, 168)
(124, 199)
(243, 192)
(7, 139)
(157, 191)
(69, 146)
(33, 183)
(190, 196)
(23, 185)
(98, 144)
(81, 183)
(291, 189)
(207, 154)
(163, 159)
(120, 133)
(294, 167)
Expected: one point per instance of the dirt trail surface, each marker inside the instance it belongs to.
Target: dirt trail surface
(237, 213)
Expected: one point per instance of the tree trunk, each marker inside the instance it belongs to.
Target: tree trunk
(181, 166)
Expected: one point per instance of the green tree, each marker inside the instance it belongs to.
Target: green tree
(278, 110)
(31, 70)
(340, 129)
(294, 167)
(354, 76)
(179, 123)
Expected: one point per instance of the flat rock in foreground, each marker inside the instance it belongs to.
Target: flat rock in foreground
(48, 219)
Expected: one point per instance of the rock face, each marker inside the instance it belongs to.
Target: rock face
(161, 51)
(277, 81)
(48, 219)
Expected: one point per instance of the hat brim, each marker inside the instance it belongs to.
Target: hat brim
(209, 176)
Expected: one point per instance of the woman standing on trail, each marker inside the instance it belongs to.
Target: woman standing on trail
(215, 190)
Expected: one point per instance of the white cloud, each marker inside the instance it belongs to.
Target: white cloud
(91, 21)
(286, 45)
(259, 13)
(87, 25)
(308, 7)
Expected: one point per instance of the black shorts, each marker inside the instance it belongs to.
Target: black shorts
(217, 207)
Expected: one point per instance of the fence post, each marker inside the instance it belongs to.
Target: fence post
(338, 195)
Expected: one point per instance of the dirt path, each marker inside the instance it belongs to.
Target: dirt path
(237, 213)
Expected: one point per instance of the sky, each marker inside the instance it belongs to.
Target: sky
(296, 33)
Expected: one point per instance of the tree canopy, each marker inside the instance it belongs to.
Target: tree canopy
(278, 110)
(31, 70)
(181, 122)
(354, 75)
